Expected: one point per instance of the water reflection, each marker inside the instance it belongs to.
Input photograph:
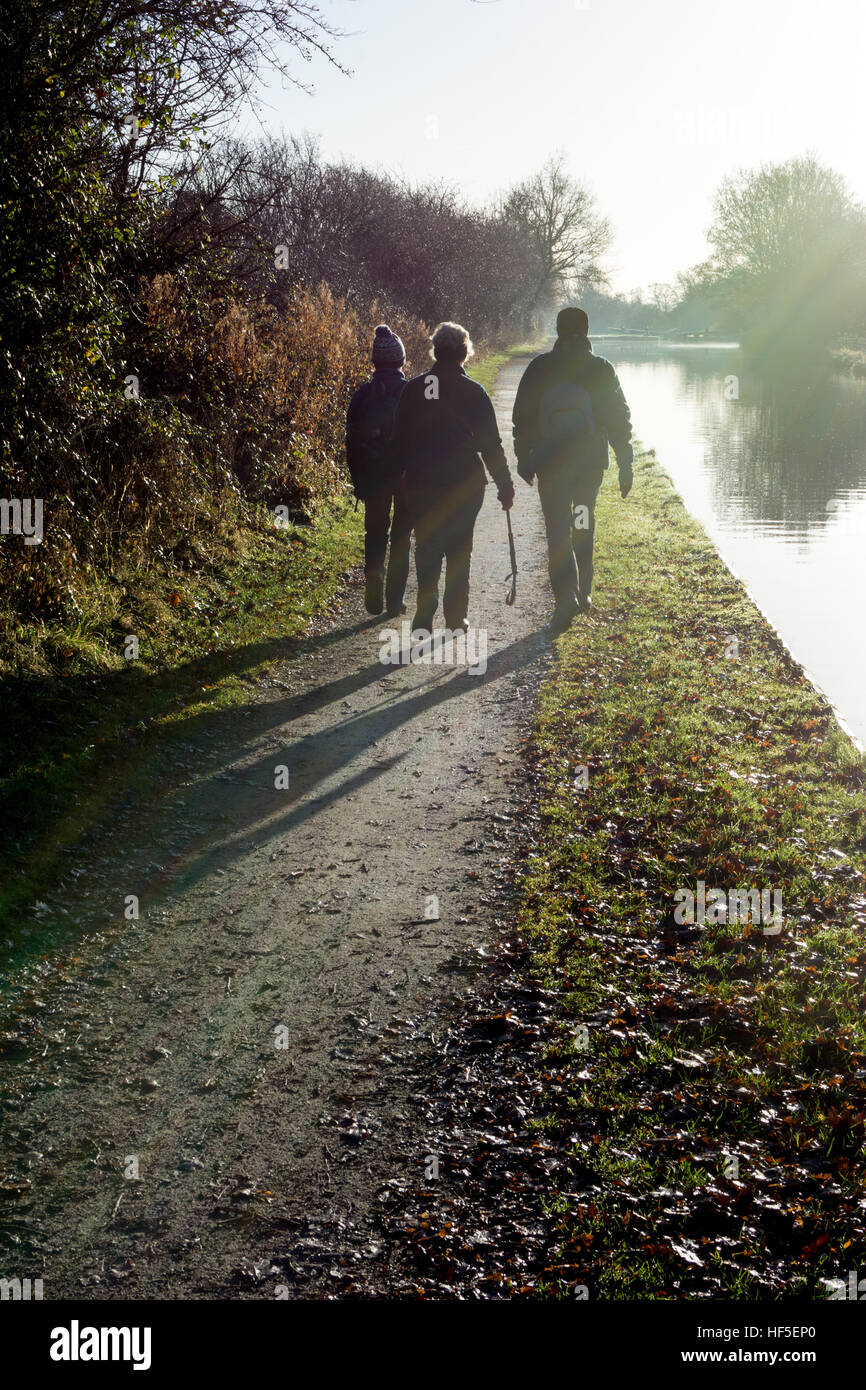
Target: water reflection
(775, 468)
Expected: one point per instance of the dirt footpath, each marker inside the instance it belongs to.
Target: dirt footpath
(223, 1081)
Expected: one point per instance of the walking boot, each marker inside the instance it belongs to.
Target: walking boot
(563, 614)
(374, 597)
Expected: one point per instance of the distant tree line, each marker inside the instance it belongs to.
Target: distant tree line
(786, 274)
(372, 236)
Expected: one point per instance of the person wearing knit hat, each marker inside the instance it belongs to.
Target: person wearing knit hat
(388, 349)
(569, 407)
(369, 455)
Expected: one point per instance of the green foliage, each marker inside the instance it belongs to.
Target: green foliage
(80, 720)
(95, 102)
(788, 265)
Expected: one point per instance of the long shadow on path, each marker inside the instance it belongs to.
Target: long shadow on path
(319, 757)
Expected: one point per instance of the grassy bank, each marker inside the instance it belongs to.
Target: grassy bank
(717, 1096)
(78, 713)
(485, 370)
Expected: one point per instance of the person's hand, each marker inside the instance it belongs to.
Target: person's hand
(506, 496)
(626, 478)
(525, 472)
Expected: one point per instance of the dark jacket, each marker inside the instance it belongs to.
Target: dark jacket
(371, 471)
(445, 420)
(572, 359)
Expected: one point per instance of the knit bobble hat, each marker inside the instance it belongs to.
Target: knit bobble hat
(388, 349)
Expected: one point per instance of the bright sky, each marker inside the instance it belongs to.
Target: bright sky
(652, 101)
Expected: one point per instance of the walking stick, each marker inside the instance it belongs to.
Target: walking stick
(512, 593)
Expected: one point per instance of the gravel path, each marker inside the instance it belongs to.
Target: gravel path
(226, 1077)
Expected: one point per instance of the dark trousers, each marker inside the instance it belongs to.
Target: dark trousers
(444, 523)
(563, 490)
(379, 526)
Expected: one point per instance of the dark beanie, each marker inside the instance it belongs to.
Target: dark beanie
(388, 349)
(572, 323)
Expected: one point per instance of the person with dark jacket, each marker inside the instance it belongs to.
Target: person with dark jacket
(446, 425)
(370, 457)
(569, 406)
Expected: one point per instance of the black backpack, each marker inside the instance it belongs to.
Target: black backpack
(565, 419)
(376, 430)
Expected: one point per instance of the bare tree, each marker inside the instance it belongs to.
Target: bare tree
(557, 216)
(664, 297)
(140, 78)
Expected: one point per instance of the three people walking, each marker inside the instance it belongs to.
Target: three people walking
(417, 450)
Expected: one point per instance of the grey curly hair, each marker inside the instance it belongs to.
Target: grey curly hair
(451, 343)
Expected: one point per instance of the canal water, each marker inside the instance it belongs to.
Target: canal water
(774, 466)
